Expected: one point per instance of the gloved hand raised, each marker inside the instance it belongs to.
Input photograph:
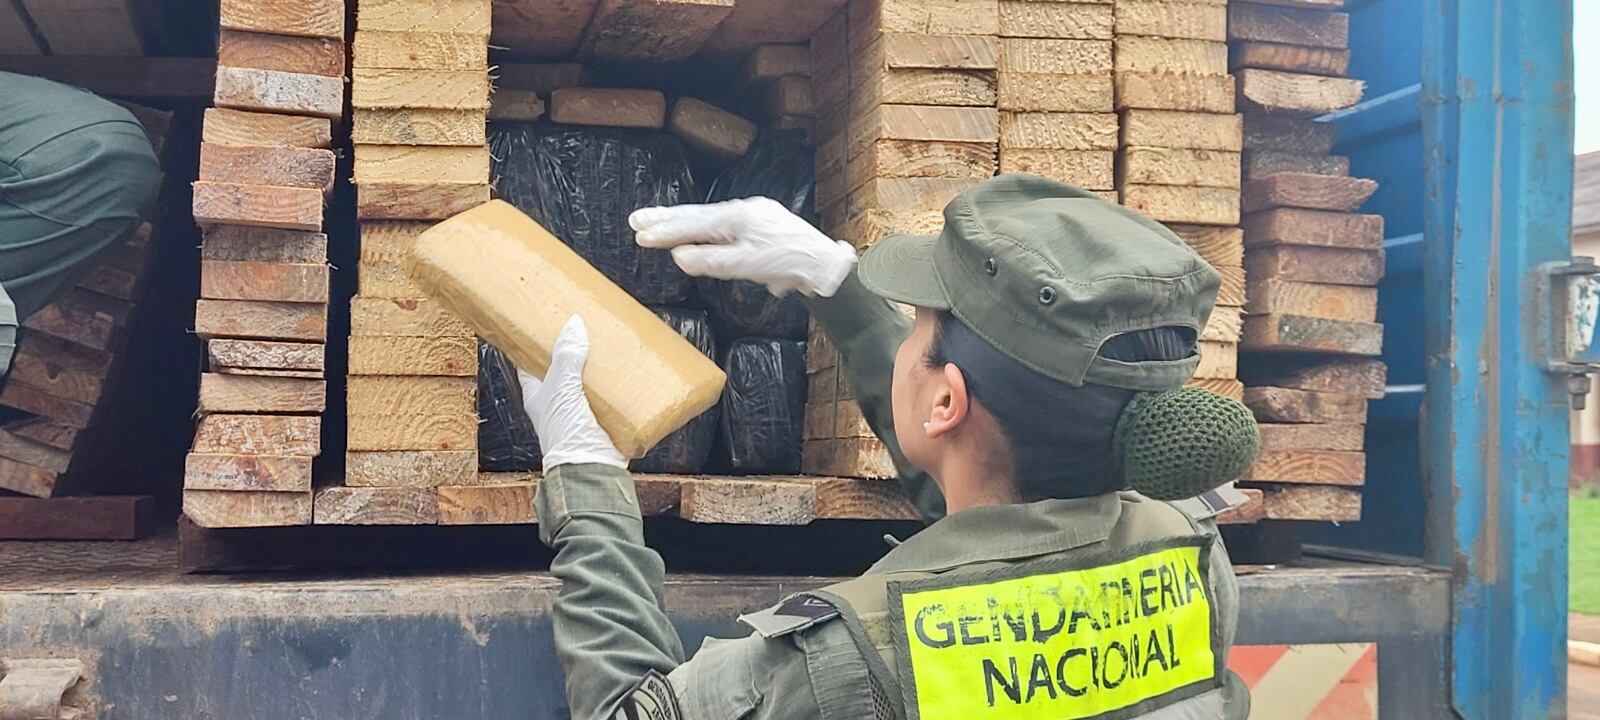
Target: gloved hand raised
(568, 432)
(755, 239)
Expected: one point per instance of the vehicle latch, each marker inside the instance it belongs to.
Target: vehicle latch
(1574, 298)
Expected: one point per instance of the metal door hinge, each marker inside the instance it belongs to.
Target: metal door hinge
(1573, 296)
(38, 688)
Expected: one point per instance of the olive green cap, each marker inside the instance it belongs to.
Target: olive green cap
(1046, 273)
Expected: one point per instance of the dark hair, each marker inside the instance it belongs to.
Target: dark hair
(1060, 435)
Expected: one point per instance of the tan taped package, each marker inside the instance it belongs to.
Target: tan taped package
(516, 285)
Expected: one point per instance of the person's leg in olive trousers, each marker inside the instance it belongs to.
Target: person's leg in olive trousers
(76, 175)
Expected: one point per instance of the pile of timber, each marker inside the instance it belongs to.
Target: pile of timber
(905, 95)
(1310, 337)
(1178, 155)
(66, 362)
(265, 172)
(780, 76)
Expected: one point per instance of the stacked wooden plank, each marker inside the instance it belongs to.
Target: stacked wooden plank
(420, 91)
(1055, 92)
(265, 171)
(1178, 157)
(1313, 262)
(905, 95)
(781, 76)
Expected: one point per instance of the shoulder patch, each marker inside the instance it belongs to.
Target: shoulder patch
(651, 698)
(795, 613)
(1211, 503)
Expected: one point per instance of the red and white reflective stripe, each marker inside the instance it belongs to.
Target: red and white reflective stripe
(1309, 682)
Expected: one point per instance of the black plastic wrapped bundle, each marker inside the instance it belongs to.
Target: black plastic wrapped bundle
(581, 184)
(688, 448)
(506, 441)
(779, 166)
(764, 404)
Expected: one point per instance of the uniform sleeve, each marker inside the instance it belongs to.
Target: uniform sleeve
(610, 627)
(749, 678)
(868, 331)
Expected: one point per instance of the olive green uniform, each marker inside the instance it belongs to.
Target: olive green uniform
(76, 174)
(611, 630)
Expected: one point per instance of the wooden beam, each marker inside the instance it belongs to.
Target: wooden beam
(541, 78)
(420, 50)
(1310, 502)
(277, 91)
(262, 320)
(411, 468)
(1169, 91)
(903, 51)
(1286, 405)
(227, 508)
(541, 28)
(430, 165)
(755, 22)
(1174, 56)
(1337, 266)
(265, 165)
(106, 517)
(1043, 92)
(651, 31)
(911, 122)
(1231, 294)
(1298, 333)
(1225, 387)
(1166, 128)
(312, 18)
(27, 398)
(608, 107)
(396, 396)
(59, 380)
(1291, 58)
(1311, 467)
(1224, 325)
(56, 434)
(418, 201)
(1220, 246)
(1346, 437)
(238, 127)
(1316, 228)
(772, 61)
(1088, 169)
(1309, 191)
(486, 504)
(375, 506)
(75, 325)
(27, 479)
(221, 203)
(1023, 18)
(1057, 57)
(746, 502)
(261, 51)
(1062, 131)
(1332, 302)
(1218, 361)
(439, 16)
(416, 126)
(933, 17)
(1288, 134)
(1160, 18)
(265, 354)
(404, 316)
(221, 393)
(909, 193)
(1290, 26)
(388, 89)
(441, 356)
(1180, 166)
(1362, 376)
(279, 435)
(205, 471)
(1184, 204)
(847, 457)
(249, 244)
(1295, 93)
(442, 429)
(33, 452)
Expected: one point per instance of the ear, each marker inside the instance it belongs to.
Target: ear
(951, 404)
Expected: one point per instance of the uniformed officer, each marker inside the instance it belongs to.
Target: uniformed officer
(76, 175)
(1051, 330)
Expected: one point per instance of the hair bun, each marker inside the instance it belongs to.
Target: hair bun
(1180, 443)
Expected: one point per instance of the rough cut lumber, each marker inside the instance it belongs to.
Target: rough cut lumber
(1167, 91)
(238, 127)
(1180, 166)
(418, 201)
(76, 325)
(386, 280)
(928, 17)
(33, 452)
(109, 517)
(1290, 26)
(259, 435)
(1362, 376)
(1057, 57)
(26, 479)
(375, 506)
(449, 427)
(391, 164)
(789, 95)
(108, 280)
(1311, 467)
(418, 127)
(264, 165)
(260, 51)
(1220, 246)
(1291, 58)
(486, 504)
(754, 22)
(912, 158)
(910, 193)
(1170, 55)
(515, 106)
(437, 16)
(1331, 302)
(871, 226)
(1308, 190)
(266, 354)
(206, 471)
(1184, 204)
(710, 129)
(853, 499)
(1163, 18)
(221, 393)
(542, 78)
(248, 244)
(911, 122)
(1299, 136)
(1231, 294)
(901, 51)
(388, 89)
(420, 50)
(277, 91)
(263, 320)
(608, 107)
(387, 395)
(226, 508)
(1025, 18)
(42, 372)
(381, 355)
(1089, 169)
(1284, 405)
(651, 31)
(1295, 93)
(418, 317)
(1225, 387)
(847, 457)
(541, 28)
(70, 355)
(500, 271)
(1062, 131)
(769, 62)
(1320, 228)
(1167, 128)
(1250, 512)
(1346, 437)
(1225, 325)
(275, 282)
(1262, 163)
(311, 18)
(1042, 92)
(1311, 502)
(44, 430)
(1218, 361)
(746, 502)
(218, 203)
(411, 468)
(1299, 333)
(1336, 266)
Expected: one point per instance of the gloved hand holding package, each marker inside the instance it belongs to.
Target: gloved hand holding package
(517, 286)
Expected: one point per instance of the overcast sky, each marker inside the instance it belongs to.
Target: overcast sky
(1586, 73)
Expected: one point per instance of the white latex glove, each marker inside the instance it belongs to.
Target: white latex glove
(751, 239)
(568, 431)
